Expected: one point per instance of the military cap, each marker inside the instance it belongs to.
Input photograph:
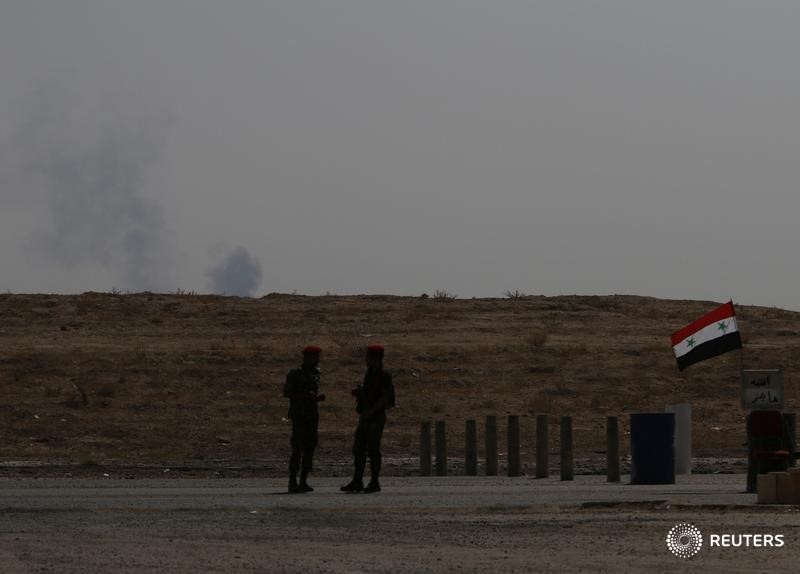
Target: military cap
(375, 349)
(312, 350)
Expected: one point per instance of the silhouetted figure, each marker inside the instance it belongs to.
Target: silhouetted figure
(302, 390)
(373, 397)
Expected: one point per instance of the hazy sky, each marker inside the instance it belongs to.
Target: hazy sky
(551, 147)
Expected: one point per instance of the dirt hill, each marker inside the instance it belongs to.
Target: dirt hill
(115, 379)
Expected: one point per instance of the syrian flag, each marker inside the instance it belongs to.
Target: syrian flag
(710, 335)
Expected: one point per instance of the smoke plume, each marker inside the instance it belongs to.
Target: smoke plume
(93, 178)
(239, 273)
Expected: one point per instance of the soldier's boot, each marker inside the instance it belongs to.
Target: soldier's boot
(354, 485)
(294, 465)
(373, 486)
(303, 486)
(357, 484)
(294, 488)
(375, 470)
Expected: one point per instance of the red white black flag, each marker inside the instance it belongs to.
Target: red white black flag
(710, 335)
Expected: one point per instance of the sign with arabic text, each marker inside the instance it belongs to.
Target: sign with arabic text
(762, 389)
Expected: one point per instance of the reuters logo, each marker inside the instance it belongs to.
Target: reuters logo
(684, 540)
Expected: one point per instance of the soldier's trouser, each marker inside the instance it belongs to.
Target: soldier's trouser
(368, 443)
(304, 441)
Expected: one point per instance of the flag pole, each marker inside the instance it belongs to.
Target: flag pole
(741, 349)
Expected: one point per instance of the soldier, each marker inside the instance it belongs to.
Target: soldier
(302, 390)
(372, 399)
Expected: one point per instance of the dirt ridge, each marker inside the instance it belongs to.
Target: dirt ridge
(149, 377)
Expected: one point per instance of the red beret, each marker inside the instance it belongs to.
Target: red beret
(312, 350)
(375, 349)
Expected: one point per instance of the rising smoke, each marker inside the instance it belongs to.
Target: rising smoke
(239, 273)
(92, 176)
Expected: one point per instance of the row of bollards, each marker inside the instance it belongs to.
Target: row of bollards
(513, 442)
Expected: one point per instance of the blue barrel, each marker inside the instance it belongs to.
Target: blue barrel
(653, 448)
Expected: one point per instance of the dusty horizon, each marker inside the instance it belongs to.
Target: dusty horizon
(549, 147)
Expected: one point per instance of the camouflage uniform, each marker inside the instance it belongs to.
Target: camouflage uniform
(305, 418)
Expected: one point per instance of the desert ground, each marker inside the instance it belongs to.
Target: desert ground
(121, 383)
(148, 433)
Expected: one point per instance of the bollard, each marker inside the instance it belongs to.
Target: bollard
(441, 449)
(783, 487)
(471, 449)
(542, 454)
(790, 423)
(612, 449)
(491, 446)
(566, 449)
(425, 449)
(652, 448)
(766, 488)
(683, 436)
(513, 445)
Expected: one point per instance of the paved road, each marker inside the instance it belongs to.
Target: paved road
(429, 492)
(438, 524)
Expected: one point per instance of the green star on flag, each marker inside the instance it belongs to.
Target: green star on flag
(690, 343)
(723, 326)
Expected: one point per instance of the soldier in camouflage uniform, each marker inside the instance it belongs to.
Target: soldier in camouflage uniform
(302, 390)
(372, 399)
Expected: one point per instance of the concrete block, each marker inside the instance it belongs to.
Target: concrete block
(783, 488)
(767, 489)
(683, 437)
(795, 480)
